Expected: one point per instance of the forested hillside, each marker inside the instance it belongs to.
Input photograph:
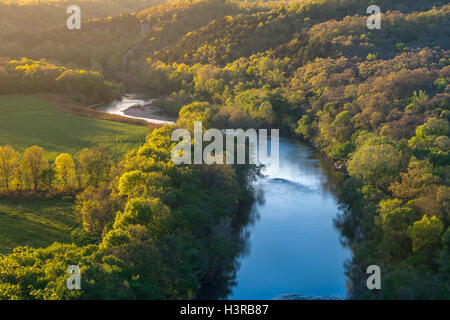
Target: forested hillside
(107, 45)
(376, 102)
(29, 76)
(27, 15)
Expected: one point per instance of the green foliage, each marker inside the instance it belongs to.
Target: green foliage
(426, 235)
(29, 76)
(96, 209)
(418, 177)
(65, 170)
(162, 228)
(374, 102)
(418, 103)
(340, 151)
(395, 218)
(375, 164)
(95, 163)
(8, 163)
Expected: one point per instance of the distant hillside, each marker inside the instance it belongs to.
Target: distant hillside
(302, 26)
(107, 45)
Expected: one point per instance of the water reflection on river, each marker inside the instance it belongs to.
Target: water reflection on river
(120, 107)
(293, 247)
(290, 245)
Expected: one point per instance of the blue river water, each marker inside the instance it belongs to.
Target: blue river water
(293, 246)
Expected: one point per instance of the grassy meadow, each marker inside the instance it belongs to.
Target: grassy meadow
(37, 223)
(29, 120)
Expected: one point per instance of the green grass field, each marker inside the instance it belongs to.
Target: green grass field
(37, 223)
(29, 120)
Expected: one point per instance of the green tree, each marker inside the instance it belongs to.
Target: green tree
(96, 208)
(265, 112)
(48, 177)
(343, 126)
(445, 258)
(8, 161)
(395, 218)
(418, 102)
(304, 127)
(95, 164)
(34, 162)
(375, 164)
(196, 111)
(426, 235)
(65, 170)
(427, 133)
(415, 180)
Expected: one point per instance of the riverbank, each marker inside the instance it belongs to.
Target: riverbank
(297, 202)
(67, 105)
(30, 120)
(148, 111)
(133, 107)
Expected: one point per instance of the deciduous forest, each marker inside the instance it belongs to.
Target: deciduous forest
(375, 102)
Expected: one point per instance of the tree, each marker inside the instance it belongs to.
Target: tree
(8, 161)
(427, 133)
(418, 102)
(48, 177)
(395, 218)
(132, 180)
(443, 202)
(375, 164)
(149, 213)
(339, 152)
(426, 235)
(304, 127)
(265, 112)
(65, 170)
(19, 176)
(95, 207)
(445, 258)
(79, 174)
(95, 164)
(34, 162)
(418, 177)
(196, 111)
(343, 126)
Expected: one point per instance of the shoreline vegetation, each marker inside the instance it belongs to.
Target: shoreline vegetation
(132, 212)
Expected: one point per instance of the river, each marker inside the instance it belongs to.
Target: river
(131, 106)
(291, 247)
